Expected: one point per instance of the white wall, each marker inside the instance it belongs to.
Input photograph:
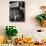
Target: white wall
(32, 8)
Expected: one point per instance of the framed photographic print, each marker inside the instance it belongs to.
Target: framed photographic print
(17, 11)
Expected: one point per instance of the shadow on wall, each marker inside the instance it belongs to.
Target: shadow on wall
(34, 21)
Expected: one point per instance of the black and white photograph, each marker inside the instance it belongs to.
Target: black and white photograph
(17, 11)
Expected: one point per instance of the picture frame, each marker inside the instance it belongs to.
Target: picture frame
(17, 11)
